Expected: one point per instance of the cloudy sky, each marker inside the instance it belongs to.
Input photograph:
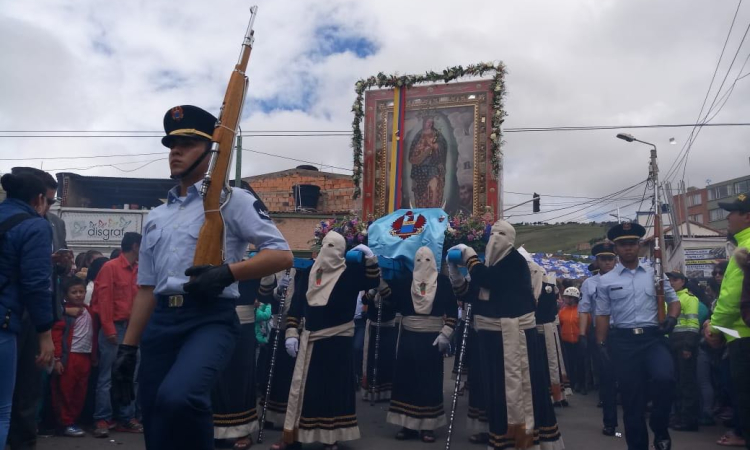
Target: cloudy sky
(86, 66)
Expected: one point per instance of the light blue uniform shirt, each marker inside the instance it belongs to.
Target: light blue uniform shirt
(170, 235)
(629, 297)
(588, 295)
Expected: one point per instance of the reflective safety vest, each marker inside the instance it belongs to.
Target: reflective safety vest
(688, 320)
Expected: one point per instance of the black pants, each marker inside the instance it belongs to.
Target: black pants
(574, 364)
(684, 347)
(28, 390)
(608, 393)
(739, 360)
(640, 361)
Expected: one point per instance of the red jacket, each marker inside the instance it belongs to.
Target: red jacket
(114, 290)
(62, 336)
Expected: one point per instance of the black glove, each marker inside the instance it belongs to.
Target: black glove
(668, 325)
(208, 280)
(123, 374)
(604, 353)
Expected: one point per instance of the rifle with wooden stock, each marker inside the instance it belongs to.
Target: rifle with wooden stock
(210, 246)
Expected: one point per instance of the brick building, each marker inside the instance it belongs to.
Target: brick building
(305, 189)
(300, 198)
(697, 206)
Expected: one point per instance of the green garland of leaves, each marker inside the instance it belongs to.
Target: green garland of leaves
(382, 80)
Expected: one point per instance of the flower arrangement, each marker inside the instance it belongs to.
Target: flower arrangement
(473, 231)
(382, 80)
(352, 228)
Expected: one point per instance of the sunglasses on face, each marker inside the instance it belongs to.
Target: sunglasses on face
(52, 201)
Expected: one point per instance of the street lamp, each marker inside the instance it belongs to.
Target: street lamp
(658, 238)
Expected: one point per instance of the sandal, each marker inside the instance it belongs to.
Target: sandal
(427, 436)
(731, 440)
(243, 443)
(406, 433)
(479, 438)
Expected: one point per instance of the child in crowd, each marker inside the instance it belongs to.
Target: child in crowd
(75, 352)
(569, 330)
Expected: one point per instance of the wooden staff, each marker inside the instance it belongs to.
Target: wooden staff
(458, 376)
(377, 352)
(282, 302)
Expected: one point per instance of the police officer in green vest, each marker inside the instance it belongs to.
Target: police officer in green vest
(684, 341)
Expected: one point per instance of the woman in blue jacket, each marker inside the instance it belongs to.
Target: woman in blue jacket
(25, 274)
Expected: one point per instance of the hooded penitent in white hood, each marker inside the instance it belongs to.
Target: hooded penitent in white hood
(424, 283)
(502, 238)
(328, 267)
(537, 278)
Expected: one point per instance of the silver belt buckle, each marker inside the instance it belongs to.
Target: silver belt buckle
(637, 330)
(175, 301)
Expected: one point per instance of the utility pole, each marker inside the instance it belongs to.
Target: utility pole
(658, 238)
(238, 156)
(685, 208)
(658, 232)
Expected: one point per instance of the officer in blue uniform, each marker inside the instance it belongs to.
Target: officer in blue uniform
(604, 252)
(636, 344)
(184, 317)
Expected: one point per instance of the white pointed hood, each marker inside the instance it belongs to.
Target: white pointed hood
(424, 282)
(328, 267)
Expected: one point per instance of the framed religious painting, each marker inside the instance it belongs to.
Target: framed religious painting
(445, 154)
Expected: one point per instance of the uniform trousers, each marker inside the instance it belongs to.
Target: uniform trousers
(183, 351)
(641, 360)
(69, 389)
(608, 393)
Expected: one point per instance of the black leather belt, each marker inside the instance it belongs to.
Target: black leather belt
(180, 300)
(637, 331)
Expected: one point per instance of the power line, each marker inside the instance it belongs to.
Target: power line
(590, 203)
(48, 158)
(672, 172)
(154, 134)
(710, 85)
(713, 102)
(114, 166)
(295, 159)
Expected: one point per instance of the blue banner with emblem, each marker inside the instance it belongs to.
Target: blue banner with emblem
(401, 233)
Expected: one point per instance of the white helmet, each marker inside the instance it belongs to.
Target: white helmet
(572, 292)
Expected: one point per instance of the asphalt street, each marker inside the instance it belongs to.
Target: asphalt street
(580, 425)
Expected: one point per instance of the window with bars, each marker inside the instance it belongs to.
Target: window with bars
(741, 187)
(694, 199)
(719, 192)
(717, 214)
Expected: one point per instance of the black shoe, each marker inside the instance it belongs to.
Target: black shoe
(608, 431)
(684, 426)
(565, 403)
(664, 444)
(600, 404)
(557, 404)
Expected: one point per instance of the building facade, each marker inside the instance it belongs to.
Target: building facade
(721, 192)
(697, 206)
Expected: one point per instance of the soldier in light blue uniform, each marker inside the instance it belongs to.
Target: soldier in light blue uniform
(636, 345)
(605, 262)
(184, 317)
